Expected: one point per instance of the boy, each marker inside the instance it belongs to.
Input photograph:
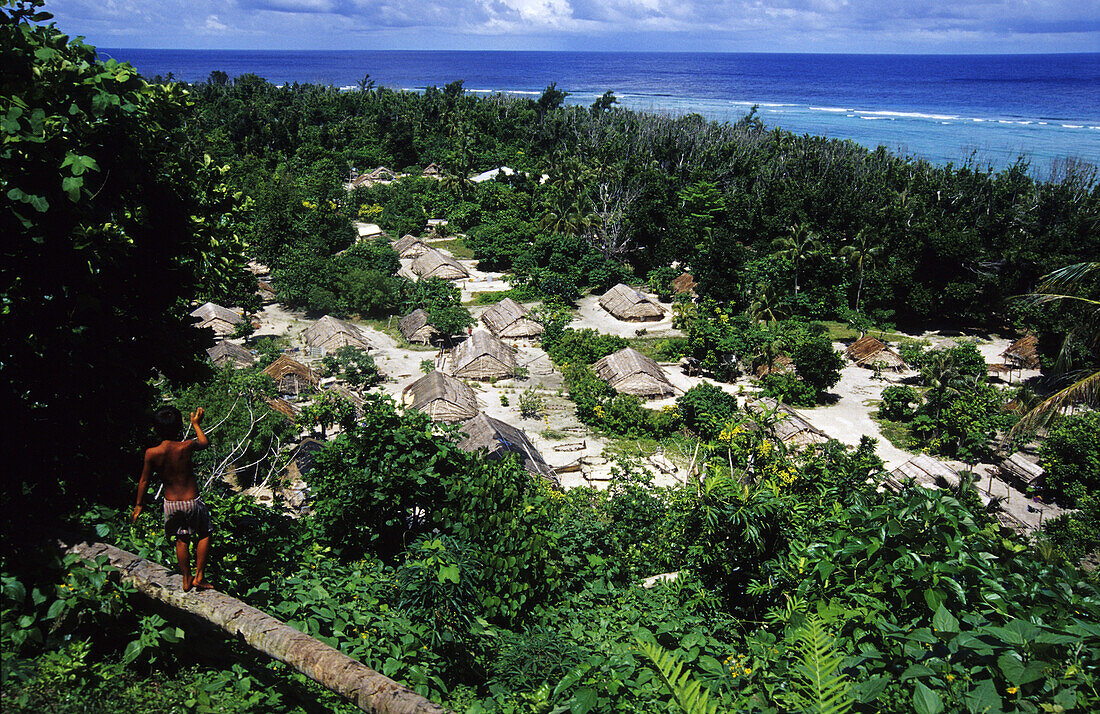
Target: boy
(185, 514)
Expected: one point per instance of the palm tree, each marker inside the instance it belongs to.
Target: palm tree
(765, 304)
(799, 245)
(1059, 286)
(862, 253)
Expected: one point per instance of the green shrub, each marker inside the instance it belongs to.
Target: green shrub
(1070, 457)
(898, 402)
(818, 364)
(706, 409)
(789, 388)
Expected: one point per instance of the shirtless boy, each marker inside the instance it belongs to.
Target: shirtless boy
(185, 514)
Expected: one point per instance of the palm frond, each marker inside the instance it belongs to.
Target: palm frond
(1084, 391)
(820, 687)
(690, 696)
(1069, 275)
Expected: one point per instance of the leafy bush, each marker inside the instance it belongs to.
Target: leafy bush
(581, 347)
(789, 388)
(898, 402)
(818, 364)
(355, 365)
(1070, 457)
(706, 409)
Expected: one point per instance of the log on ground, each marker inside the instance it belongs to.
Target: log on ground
(369, 690)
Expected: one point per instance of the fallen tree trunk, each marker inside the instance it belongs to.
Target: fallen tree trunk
(369, 690)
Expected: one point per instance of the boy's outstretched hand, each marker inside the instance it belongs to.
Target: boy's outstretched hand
(196, 416)
(135, 514)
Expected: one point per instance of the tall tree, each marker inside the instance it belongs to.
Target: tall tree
(864, 252)
(799, 245)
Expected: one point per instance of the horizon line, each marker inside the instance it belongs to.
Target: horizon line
(609, 52)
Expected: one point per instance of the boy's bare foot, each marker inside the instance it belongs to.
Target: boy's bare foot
(187, 584)
(202, 585)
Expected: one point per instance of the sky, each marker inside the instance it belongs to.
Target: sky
(849, 26)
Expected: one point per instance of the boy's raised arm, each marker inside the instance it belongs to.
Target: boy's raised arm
(201, 442)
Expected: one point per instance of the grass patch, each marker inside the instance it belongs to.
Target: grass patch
(896, 432)
(678, 448)
(842, 332)
(492, 297)
(661, 349)
(456, 247)
(554, 435)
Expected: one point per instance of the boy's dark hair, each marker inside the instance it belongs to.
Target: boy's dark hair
(167, 421)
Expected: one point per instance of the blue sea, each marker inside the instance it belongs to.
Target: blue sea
(944, 108)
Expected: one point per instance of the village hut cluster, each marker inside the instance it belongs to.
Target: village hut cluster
(627, 304)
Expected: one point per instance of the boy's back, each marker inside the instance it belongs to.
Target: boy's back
(171, 460)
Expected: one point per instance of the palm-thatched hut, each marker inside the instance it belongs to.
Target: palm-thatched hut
(1023, 353)
(684, 284)
(433, 264)
(283, 407)
(790, 428)
(871, 352)
(630, 372)
(499, 439)
(410, 246)
(922, 470)
(432, 170)
(229, 353)
(291, 376)
(482, 357)
(509, 319)
(266, 291)
(627, 304)
(442, 397)
(221, 320)
(1021, 468)
(330, 334)
(415, 327)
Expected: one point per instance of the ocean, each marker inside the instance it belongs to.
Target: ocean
(944, 108)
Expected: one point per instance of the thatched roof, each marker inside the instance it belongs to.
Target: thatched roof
(226, 352)
(870, 351)
(630, 372)
(1022, 468)
(442, 397)
(415, 328)
(683, 284)
(792, 427)
(410, 246)
(433, 264)
(482, 356)
(301, 461)
(285, 366)
(628, 304)
(780, 365)
(209, 312)
(283, 407)
(923, 470)
(499, 440)
(266, 291)
(1023, 353)
(510, 319)
(331, 333)
(432, 170)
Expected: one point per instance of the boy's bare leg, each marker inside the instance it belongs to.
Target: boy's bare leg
(202, 547)
(184, 558)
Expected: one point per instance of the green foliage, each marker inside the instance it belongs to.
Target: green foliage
(818, 364)
(789, 388)
(820, 686)
(442, 300)
(707, 409)
(1070, 457)
(353, 364)
(690, 696)
(898, 401)
(580, 347)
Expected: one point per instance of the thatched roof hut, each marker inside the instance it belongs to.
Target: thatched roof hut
(283, 407)
(499, 440)
(922, 470)
(221, 320)
(630, 372)
(266, 291)
(1023, 353)
(415, 327)
(330, 334)
(441, 397)
(629, 305)
(291, 376)
(511, 320)
(871, 352)
(410, 246)
(482, 356)
(229, 353)
(433, 264)
(432, 170)
(1022, 469)
(791, 428)
(684, 284)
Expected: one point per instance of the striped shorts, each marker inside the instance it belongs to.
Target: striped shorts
(183, 519)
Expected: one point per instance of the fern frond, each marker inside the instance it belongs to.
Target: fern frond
(689, 694)
(820, 686)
